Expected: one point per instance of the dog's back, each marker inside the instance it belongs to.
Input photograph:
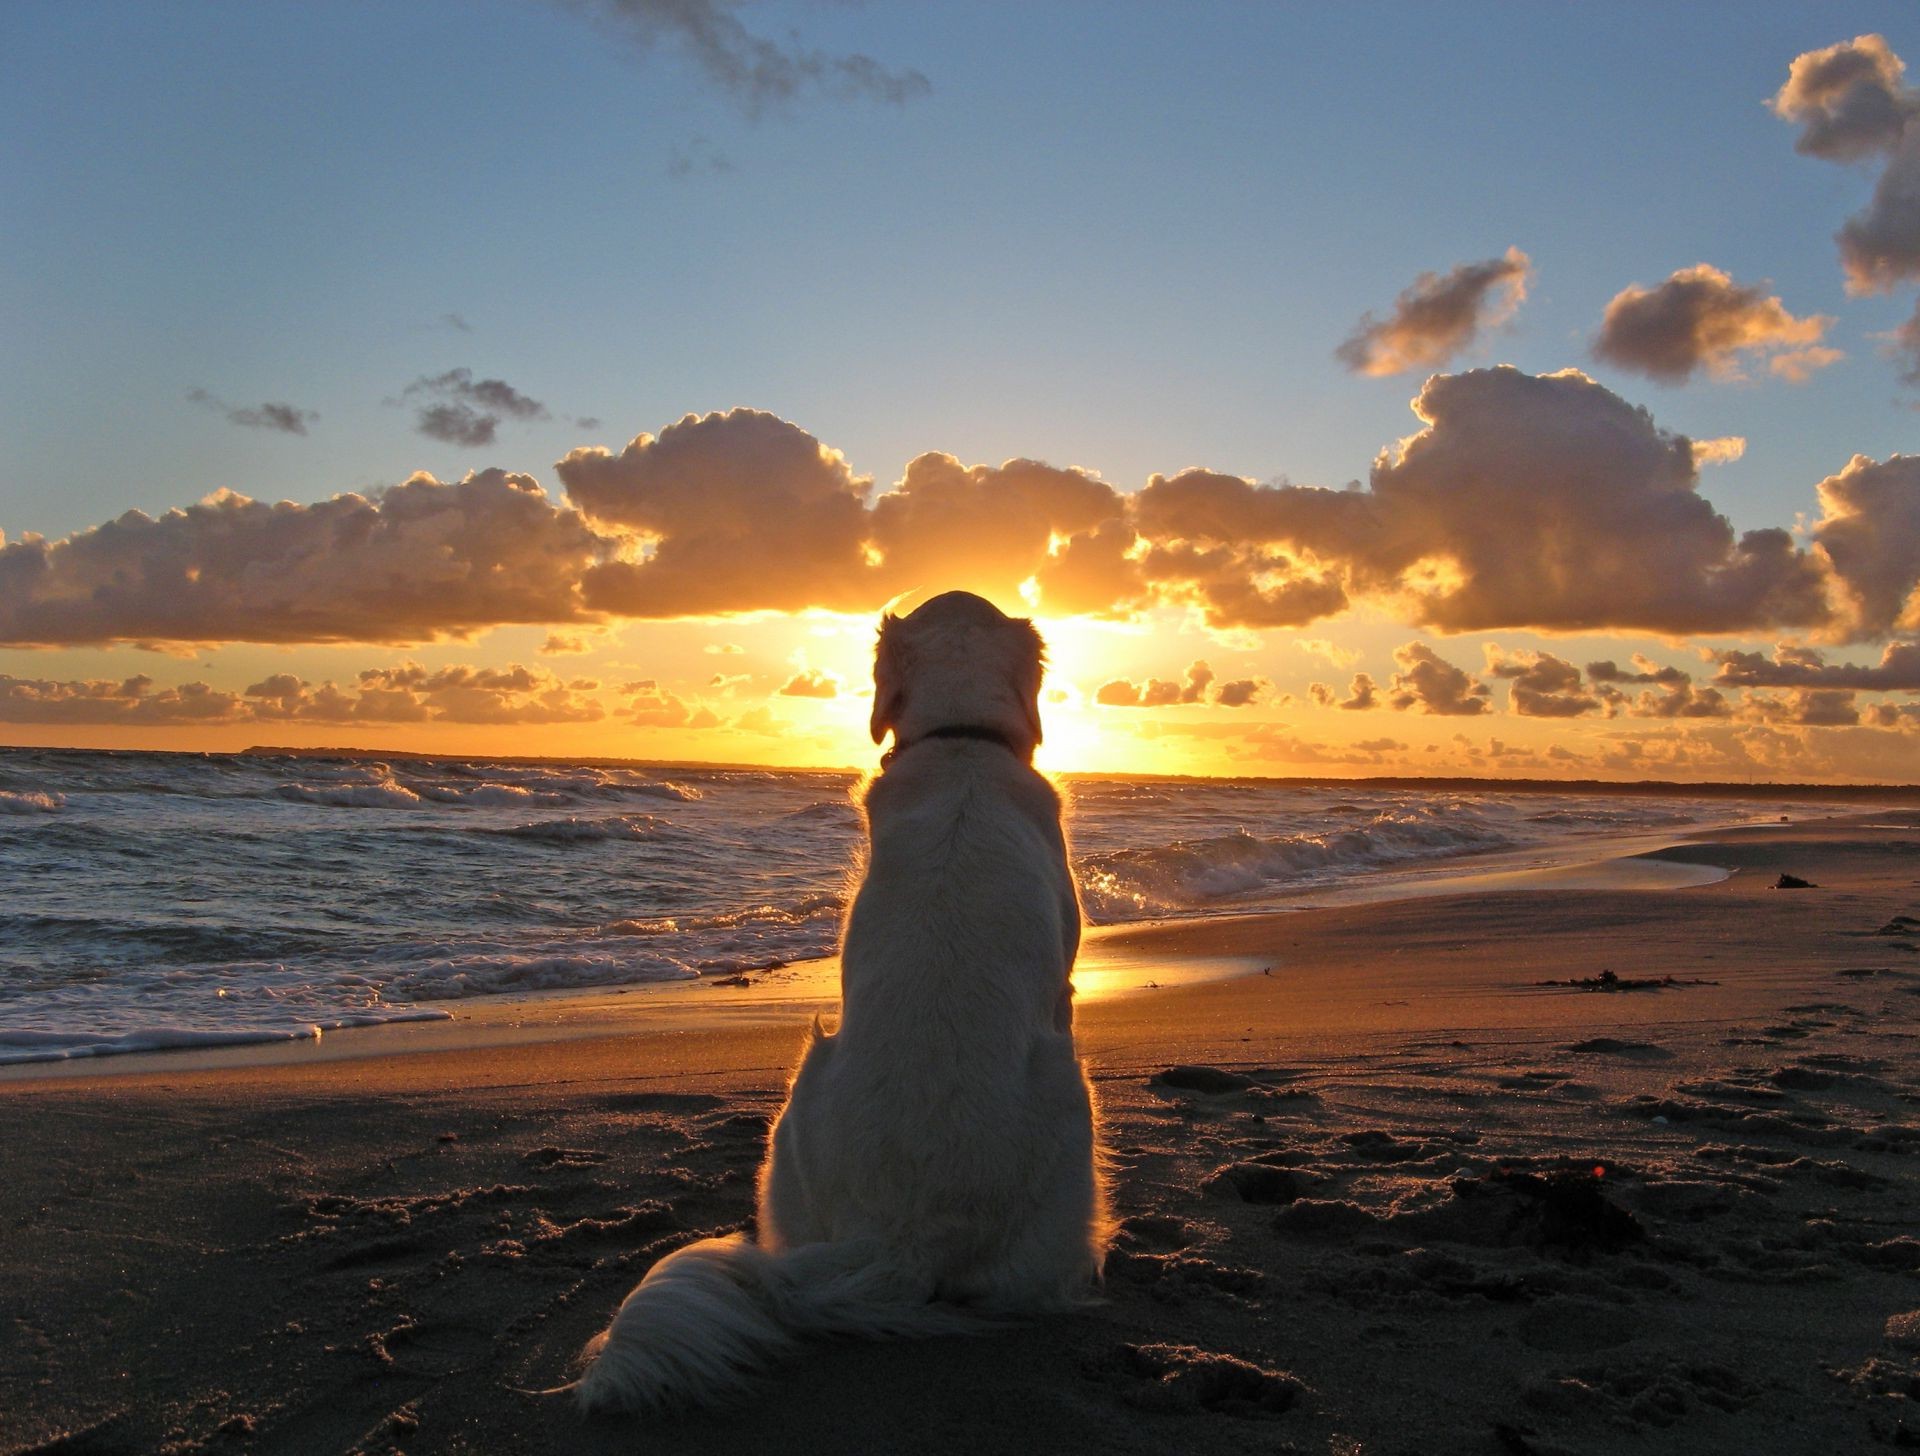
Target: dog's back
(948, 1115)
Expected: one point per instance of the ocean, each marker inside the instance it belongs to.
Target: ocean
(154, 900)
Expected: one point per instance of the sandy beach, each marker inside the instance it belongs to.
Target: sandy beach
(1400, 1183)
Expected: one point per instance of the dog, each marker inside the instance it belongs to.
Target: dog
(935, 1168)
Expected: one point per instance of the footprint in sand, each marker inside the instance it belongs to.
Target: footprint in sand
(1182, 1379)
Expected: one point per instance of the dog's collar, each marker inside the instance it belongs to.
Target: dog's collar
(954, 730)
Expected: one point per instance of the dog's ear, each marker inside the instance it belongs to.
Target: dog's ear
(1032, 661)
(889, 688)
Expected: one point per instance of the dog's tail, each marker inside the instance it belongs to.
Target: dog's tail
(711, 1316)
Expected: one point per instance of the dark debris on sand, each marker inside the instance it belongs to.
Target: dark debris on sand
(1611, 981)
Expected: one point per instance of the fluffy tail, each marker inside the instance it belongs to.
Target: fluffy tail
(711, 1316)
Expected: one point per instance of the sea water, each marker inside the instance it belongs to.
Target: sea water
(152, 900)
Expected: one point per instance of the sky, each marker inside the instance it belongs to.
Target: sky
(1369, 389)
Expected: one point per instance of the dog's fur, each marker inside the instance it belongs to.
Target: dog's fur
(935, 1165)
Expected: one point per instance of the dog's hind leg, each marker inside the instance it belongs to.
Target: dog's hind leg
(789, 1214)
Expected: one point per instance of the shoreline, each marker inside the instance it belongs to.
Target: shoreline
(789, 995)
(1118, 961)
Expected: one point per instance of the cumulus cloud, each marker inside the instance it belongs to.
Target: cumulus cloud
(420, 561)
(743, 511)
(561, 644)
(464, 694)
(1869, 530)
(460, 410)
(1527, 501)
(287, 419)
(1904, 345)
(1645, 670)
(130, 701)
(1701, 319)
(1681, 700)
(737, 512)
(1198, 686)
(1541, 685)
(1848, 99)
(1852, 104)
(1430, 683)
(1362, 694)
(811, 683)
(407, 693)
(1723, 450)
(755, 71)
(1797, 666)
(649, 705)
(1438, 316)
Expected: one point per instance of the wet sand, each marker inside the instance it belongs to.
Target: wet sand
(1399, 1183)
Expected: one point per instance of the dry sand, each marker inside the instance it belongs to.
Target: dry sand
(1403, 1198)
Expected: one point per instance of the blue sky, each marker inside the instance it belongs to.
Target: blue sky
(1122, 236)
(1126, 236)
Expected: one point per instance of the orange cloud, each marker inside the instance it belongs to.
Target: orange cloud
(1701, 319)
(1430, 683)
(1438, 316)
(421, 561)
(1197, 687)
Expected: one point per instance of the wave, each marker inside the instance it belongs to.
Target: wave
(28, 1045)
(1192, 874)
(811, 909)
(463, 977)
(30, 801)
(493, 796)
(380, 794)
(575, 829)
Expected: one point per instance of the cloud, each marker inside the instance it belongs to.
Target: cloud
(1362, 694)
(1723, 450)
(756, 72)
(420, 561)
(1527, 501)
(130, 701)
(1848, 99)
(1852, 104)
(287, 419)
(1681, 700)
(461, 410)
(1432, 684)
(1701, 319)
(811, 683)
(1198, 686)
(1795, 666)
(410, 693)
(1646, 670)
(739, 512)
(743, 511)
(1904, 345)
(649, 705)
(1325, 649)
(1880, 247)
(1869, 531)
(1542, 685)
(1438, 316)
(560, 644)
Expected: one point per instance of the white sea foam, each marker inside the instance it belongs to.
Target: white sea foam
(26, 801)
(575, 829)
(493, 796)
(379, 794)
(1192, 874)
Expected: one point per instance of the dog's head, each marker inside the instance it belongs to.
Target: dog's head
(957, 660)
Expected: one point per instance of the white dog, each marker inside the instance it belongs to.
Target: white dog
(935, 1164)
